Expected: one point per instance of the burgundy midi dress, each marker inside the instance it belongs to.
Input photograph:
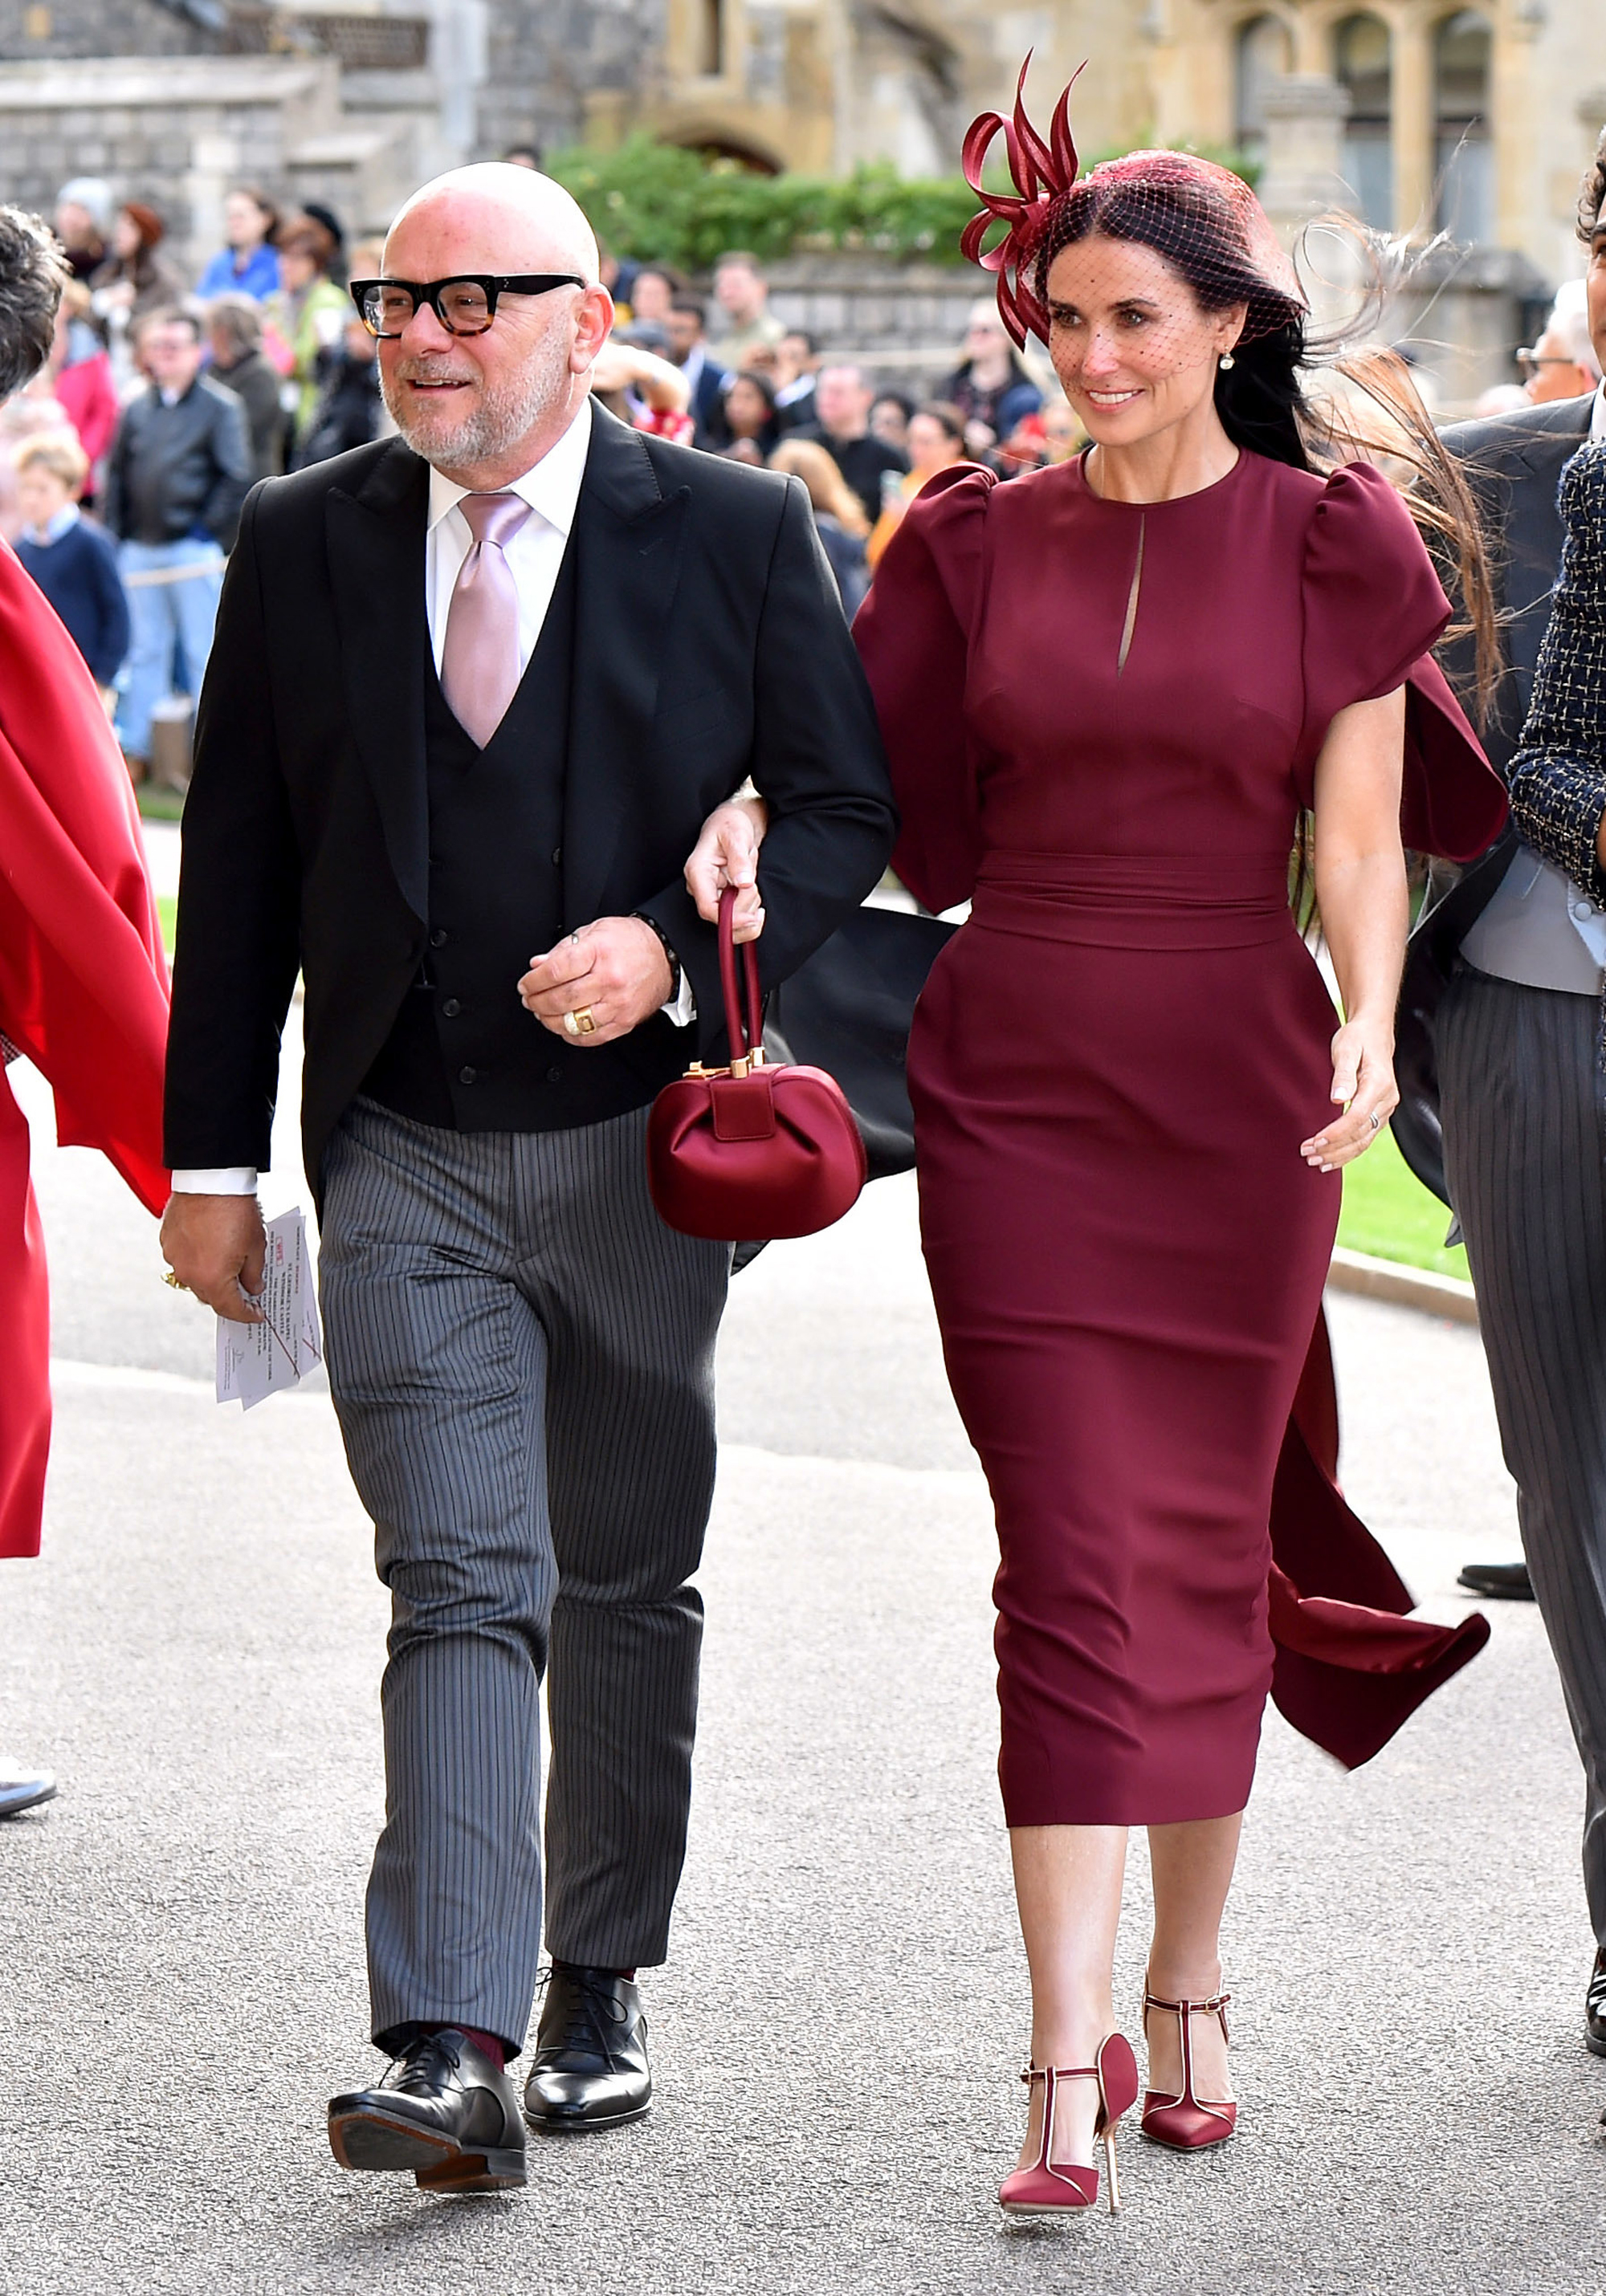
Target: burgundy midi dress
(1103, 720)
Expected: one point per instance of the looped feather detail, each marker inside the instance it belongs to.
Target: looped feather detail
(1040, 172)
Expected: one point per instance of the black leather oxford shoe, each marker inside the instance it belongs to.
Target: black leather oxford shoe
(589, 2070)
(1594, 2006)
(445, 2110)
(1500, 1582)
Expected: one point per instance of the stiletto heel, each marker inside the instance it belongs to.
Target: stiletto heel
(1185, 2121)
(1049, 2188)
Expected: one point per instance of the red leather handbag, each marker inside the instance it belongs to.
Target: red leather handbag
(752, 1151)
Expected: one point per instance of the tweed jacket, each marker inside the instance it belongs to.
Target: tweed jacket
(1558, 775)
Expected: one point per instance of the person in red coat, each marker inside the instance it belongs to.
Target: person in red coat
(83, 979)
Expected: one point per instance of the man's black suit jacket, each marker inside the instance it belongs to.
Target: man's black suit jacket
(709, 645)
(1513, 463)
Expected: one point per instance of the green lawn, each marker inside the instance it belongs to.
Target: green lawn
(1389, 1214)
(167, 909)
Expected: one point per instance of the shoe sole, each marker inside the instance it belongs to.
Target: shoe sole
(577, 2125)
(1596, 2048)
(1052, 2209)
(370, 2141)
(15, 1806)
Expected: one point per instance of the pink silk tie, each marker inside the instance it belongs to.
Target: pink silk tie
(480, 661)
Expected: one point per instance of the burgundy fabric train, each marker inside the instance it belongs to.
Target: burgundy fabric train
(1103, 719)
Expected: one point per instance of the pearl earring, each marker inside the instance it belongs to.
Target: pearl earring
(1227, 361)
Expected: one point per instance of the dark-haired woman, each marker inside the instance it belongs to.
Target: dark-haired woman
(1109, 690)
(748, 429)
(935, 441)
(247, 264)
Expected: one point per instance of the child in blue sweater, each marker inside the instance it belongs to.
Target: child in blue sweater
(73, 563)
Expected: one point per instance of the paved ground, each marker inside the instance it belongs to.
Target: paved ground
(838, 2034)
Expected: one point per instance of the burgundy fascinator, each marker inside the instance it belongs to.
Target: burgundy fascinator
(1042, 174)
(1199, 214)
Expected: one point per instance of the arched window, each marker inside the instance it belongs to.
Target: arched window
(1361, 64)
(1262, 53)
(1463, 154)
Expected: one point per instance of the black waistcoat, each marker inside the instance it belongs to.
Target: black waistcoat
(463, 1052)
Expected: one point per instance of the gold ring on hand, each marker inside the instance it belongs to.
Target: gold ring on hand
(580, 1023)
(170, 1278)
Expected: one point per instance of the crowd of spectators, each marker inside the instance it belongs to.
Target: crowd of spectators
(123, 468)
(123, 465)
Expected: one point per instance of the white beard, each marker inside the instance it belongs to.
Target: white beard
(495, 422)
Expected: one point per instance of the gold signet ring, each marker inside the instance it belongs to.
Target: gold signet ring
(170, 1278)
(580, 1023)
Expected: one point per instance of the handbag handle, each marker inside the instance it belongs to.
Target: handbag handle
(746, 1045)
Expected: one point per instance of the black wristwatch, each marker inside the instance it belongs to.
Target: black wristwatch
(676, 970)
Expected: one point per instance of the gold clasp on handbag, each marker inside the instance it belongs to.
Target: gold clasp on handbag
(737, 1068)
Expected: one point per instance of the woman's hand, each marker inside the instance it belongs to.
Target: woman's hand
(725, 854)
(1363, 1087)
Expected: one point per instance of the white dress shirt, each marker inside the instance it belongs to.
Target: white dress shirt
(534, 555)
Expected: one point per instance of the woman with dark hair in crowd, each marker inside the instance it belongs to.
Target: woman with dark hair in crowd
(749, 429)
(249, 264)
(134, 278)
(1110, 692)
(889, 418)
(935, 441)
(839, 519)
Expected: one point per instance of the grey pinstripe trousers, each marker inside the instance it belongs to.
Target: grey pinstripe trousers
(522, 1361)
(1524, 1132)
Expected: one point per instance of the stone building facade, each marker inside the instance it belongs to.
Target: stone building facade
(1420, 115)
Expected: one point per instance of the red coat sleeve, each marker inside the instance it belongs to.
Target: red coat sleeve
(1373, 612)
(83, 979)
(913, 633)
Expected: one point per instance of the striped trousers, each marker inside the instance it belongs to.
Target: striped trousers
(521, 1355)
(1525, 1131)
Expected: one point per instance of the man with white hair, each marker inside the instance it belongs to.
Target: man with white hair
(1562, 363)
(473, 691)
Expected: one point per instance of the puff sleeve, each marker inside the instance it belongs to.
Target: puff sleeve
(1373, 611)
(1559, 773)
(913, 634)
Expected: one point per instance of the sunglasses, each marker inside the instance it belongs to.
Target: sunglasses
(465, 304)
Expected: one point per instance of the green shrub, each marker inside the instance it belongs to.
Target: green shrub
(658, 201)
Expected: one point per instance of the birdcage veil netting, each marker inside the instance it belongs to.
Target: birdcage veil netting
(1204, 220)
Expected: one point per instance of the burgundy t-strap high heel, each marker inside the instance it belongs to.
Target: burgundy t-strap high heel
(1052, 2188)
(1186, 2121)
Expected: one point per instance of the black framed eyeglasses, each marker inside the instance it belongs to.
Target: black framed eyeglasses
(466, 304)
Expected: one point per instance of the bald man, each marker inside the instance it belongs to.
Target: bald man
(473, 692)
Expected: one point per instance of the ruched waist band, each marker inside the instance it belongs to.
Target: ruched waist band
(1139, 901)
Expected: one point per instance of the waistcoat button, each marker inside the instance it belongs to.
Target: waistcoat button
(437, 938)
(451, 1008)
(466, 1075)
(555, 1076)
